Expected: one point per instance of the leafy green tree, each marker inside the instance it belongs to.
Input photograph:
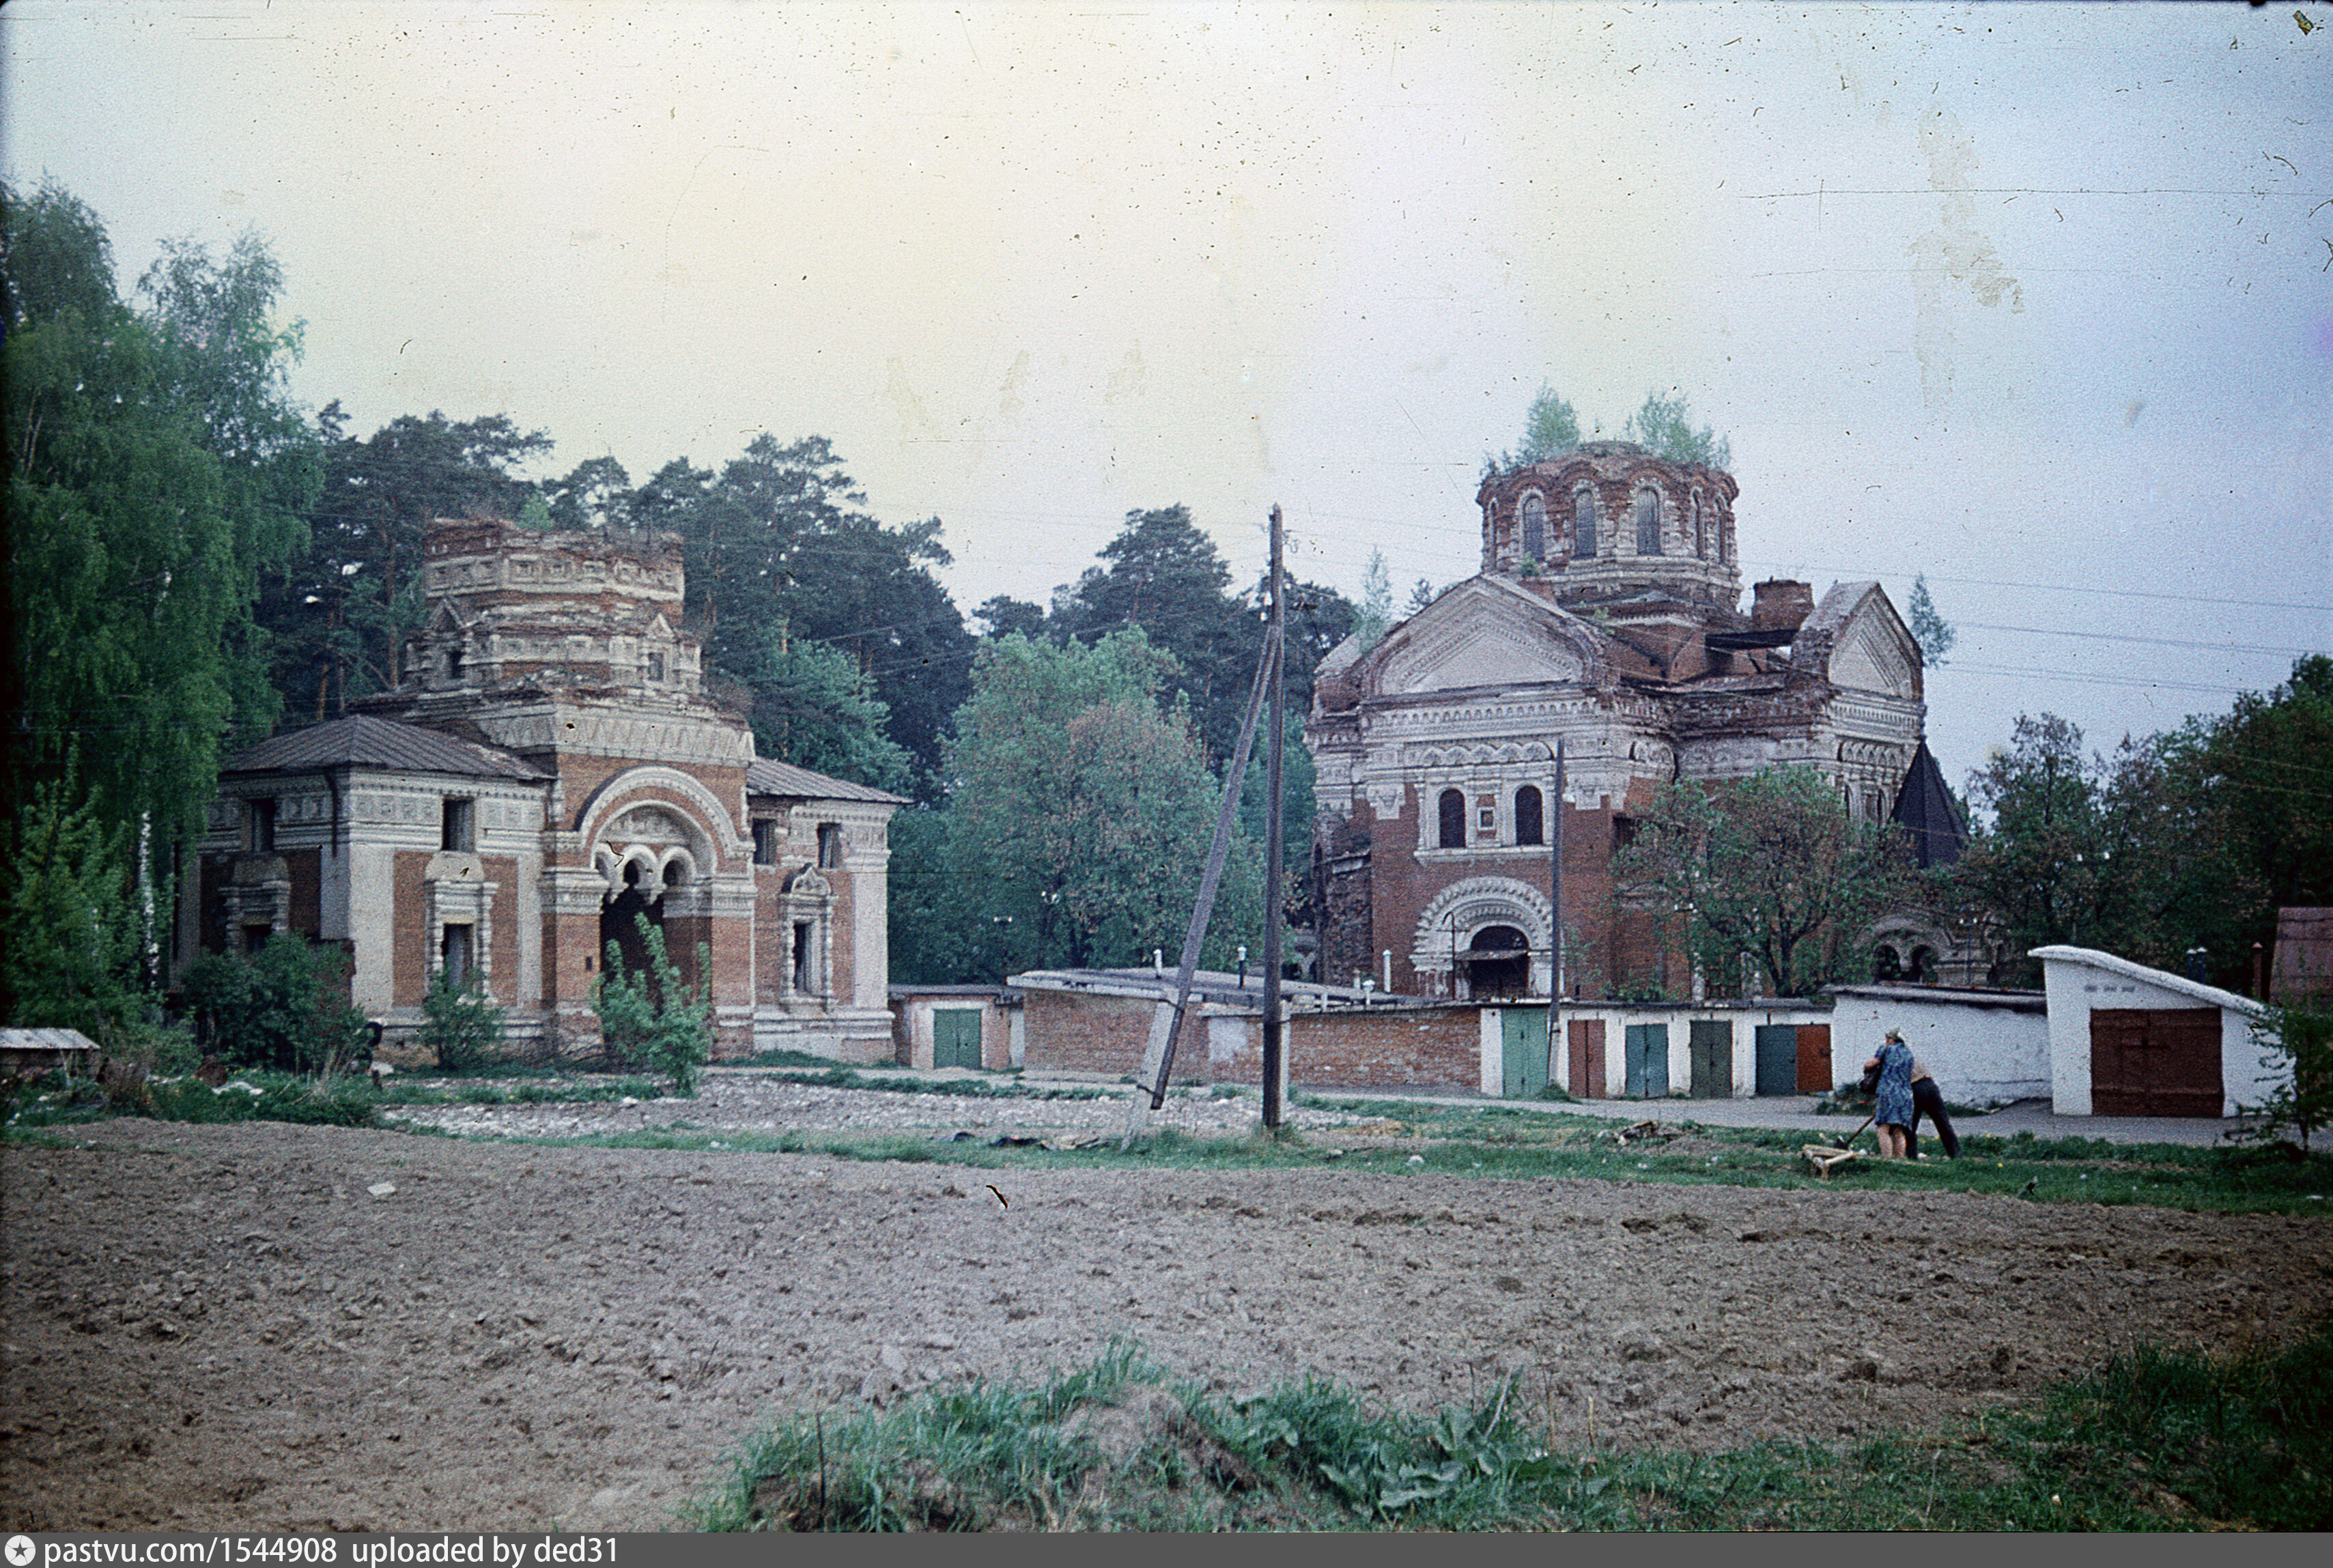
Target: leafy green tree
(2295, 1042)
(1005, 615)
(2134, 856)
(2271, 758)
(652, 1018)
(2041, 851)
(1421, 595)
(1551, 429)
(812, 708)
(285, 1008)
(1165, 576)
(68, 926)
(1319, 618)
(943, 930)
(341, 616)
(1771, 865)
(1935, 635)
(1665, 425)
(1376, 617)
(1082, 810)
(779, 549)
(596, 494)
(155, 468)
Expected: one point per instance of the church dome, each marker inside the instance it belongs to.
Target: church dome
(1612, 520)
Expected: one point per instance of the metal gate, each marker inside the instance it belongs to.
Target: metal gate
(1523, 1041)
(1778, 1059)
(1814, 1059)
(2155, 1062)
(1710, 1044)
(955, 1036)
(1587, 1040)
(1648, 1060)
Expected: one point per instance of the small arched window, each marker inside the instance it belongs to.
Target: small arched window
(1648, 522)
(1453, 806)
(1585, 520)
(1700, 527)
(1529, 824)
(1534, 529)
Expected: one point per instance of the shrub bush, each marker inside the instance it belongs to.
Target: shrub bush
(284, 1009)
(2297, 1043)
(654, 1020)
(464, 1027)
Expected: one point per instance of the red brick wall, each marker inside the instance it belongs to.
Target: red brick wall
(1106, 1034)
(1408, 1046)
(1087, 1033)
(410, 954)
(502, 870)
(307, 892)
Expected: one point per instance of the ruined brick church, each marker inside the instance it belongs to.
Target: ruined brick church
(549, 770)
(1605, 615)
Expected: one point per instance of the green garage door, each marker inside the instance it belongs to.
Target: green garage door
(1523, 1040)
(955, 1036)
(1778, 1059)
(1711, 1048)
(1648, 1061)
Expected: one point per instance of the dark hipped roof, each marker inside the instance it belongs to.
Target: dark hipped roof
(361, 740)
(768, 777)
(1924, 807)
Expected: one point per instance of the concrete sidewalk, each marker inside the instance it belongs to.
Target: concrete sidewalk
(1796, 1111)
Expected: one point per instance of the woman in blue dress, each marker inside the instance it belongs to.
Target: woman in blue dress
(1894, 1111)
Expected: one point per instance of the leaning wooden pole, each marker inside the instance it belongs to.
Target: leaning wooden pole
(1555, 1043)
(1276, 645)
(1167, 1021)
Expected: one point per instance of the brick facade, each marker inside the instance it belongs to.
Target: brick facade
(551, 767)
(1421, 1047)
(1605, 622)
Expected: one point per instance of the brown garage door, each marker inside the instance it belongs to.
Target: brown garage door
(1814, 1059)
(2154, 1062)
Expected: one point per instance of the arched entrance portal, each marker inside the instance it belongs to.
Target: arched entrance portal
(1484, 936)
(1497, 962)
(620, 917)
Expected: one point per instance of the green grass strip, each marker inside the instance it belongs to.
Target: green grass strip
(2156, 1440)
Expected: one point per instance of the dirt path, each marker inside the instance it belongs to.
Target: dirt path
(225, 1327)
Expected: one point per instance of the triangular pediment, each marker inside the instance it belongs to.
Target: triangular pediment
(1484, 633)
(1873, 651)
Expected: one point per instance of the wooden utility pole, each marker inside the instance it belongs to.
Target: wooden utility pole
(1167, 1021)
(1274, 643)
(1555, 918)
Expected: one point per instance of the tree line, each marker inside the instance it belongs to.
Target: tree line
(194, 562)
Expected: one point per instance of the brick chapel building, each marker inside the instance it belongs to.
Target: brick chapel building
(1606, 614)
(550, 768)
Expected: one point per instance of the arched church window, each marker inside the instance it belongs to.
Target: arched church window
(1534, 528)
(1529, 824)
(1585, 520)
(1700, 527)
(1648, 522)
(1453, 808)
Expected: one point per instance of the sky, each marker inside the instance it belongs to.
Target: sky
(2034, 301)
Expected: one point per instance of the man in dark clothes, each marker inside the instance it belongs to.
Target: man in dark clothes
(1928, 1101)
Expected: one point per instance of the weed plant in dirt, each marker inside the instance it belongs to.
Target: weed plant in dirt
(2156, 1440)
